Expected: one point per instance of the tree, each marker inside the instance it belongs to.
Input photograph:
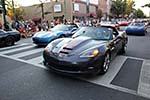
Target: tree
(147, 5)
(15, 12)
(129, 8)
(118, 7)
(139, 13)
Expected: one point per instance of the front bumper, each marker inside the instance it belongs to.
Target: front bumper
(41, 41)
(71, 67)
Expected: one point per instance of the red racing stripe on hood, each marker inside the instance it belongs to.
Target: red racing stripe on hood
(75, 42)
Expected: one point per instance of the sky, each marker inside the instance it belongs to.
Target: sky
(138, 3)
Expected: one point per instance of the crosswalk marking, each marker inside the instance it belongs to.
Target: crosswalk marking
(24, 50)
(15, 46)
(15, 50)
(36, 60)
(27, 53)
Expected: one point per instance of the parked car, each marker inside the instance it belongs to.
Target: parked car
(136, 28)
(8, 38)
(123, 23)
(89, 51)
(110, 23)
(42, 38)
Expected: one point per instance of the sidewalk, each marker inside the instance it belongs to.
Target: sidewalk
(144, 82)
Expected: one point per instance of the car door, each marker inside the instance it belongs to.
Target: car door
(115, 44)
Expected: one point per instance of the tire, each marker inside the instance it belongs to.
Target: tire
(9, 41)
(105, 65)
(123, 49)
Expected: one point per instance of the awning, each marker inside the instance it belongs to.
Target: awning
(36, 19)
(93, 15)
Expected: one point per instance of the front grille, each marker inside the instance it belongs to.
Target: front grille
(64, 65)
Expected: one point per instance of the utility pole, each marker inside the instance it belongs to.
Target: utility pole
(64, 9)
(4, 12)
(42, 8)
(14, 12)
(87, 9)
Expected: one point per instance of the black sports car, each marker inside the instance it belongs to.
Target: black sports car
(89, 51)
(8, 38)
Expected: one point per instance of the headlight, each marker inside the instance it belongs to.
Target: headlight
(90, 53)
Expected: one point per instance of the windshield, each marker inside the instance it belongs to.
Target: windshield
(95, 33)
(61, 28)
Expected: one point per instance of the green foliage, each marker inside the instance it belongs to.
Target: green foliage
(118, 7)
(139, 13)
(129, 8)
(147, 5)
(19, 12)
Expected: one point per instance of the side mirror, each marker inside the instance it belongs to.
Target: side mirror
(115, 34)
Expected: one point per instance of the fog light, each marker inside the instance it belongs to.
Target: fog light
(74, 62)
(90, 68)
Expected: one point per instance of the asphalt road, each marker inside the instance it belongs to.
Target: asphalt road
(22, 79)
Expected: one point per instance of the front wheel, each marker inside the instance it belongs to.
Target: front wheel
(9, 41)
(123, 49)
(106, 64)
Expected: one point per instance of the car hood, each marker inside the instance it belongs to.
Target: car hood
(44, 34)
(75, 46)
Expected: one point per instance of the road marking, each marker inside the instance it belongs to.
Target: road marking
(17, 49)
(14, 46)
(144, 81)
(36, 60)
(134, 58)
(37, 65)
(27, 53)
(103, 80)
(114, 68)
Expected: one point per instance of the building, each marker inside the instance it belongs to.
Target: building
(105, 6)
(62, 9)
